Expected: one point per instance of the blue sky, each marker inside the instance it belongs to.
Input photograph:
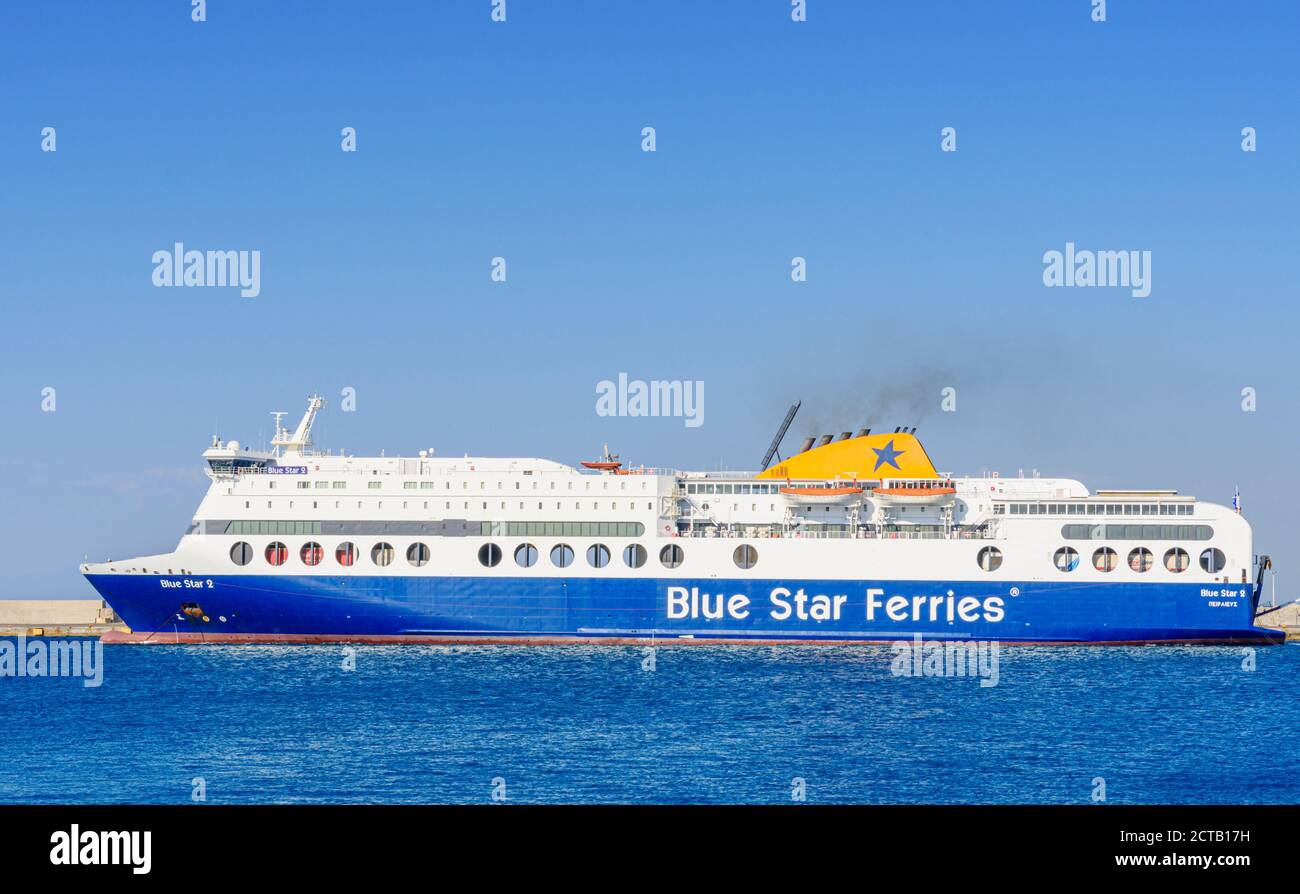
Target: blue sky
(522, 139)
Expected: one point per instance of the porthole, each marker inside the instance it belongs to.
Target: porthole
(1177, 560)
(241, 553)
(276, 554)
(346, 554)
(1140, 560)
(417, 554)
(671, 556)
(745, 556)
(990, 558)
(1105, 559)
(489, 555)
(1212, 560)
(525, 555)
(634, 555)
(311, 554)
(382, 554)
(598, 555)
(561, 555)
(1066, 559)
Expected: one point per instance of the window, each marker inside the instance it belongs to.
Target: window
(311, 554)
(1140, 560)
(634, 555)
(1137, 532)
(671, 556)
(1177, 560)
(489, 555)
(272, 527)
(382, 554)
(346, 555)
(276, 553)
(561, 555)
(1066, 559)
(598, 555)
(1105, 559)
(241, 553)
(990, 558)
(526, 555)
(417, 554)
(1212, 560)
(745, 556)
(374, 485)
(562, 529)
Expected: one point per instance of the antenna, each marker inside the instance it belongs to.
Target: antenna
(279, 429)
(780, 433)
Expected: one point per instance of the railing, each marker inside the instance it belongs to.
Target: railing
(813, 534)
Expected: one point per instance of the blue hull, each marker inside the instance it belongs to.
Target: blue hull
(318, 608)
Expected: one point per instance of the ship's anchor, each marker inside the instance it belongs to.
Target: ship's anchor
(194, 610)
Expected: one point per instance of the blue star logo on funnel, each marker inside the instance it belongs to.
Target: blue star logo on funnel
(887, 455)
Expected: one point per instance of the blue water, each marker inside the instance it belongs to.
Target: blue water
(708, 724)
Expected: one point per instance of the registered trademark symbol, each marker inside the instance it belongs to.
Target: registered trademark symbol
(1015, 591)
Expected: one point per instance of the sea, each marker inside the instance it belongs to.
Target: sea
(663, 724)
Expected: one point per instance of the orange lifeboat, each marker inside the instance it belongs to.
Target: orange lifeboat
(823, 494)
(608, 462)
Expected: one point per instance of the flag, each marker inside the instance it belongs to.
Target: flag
(1236, 500)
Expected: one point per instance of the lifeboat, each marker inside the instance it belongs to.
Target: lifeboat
(916, 495)
(815, 495)
(608, 462)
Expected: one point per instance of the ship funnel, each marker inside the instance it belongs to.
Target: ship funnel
(845, 435)
(826, 439)
(863, 432)
(807, 445)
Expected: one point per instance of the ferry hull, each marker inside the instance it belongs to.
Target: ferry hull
(407, 609)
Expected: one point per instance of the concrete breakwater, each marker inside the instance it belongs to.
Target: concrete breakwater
(1285, 616)
(57, 617)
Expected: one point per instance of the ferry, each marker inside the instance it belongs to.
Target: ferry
(855, 539)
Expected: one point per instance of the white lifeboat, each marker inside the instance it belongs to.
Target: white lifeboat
(940, 493)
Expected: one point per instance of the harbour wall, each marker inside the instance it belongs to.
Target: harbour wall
(57, 617)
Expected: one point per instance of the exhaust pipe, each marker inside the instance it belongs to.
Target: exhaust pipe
(807, 445)
(826, 439)
(862, 433)
(845, 435)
